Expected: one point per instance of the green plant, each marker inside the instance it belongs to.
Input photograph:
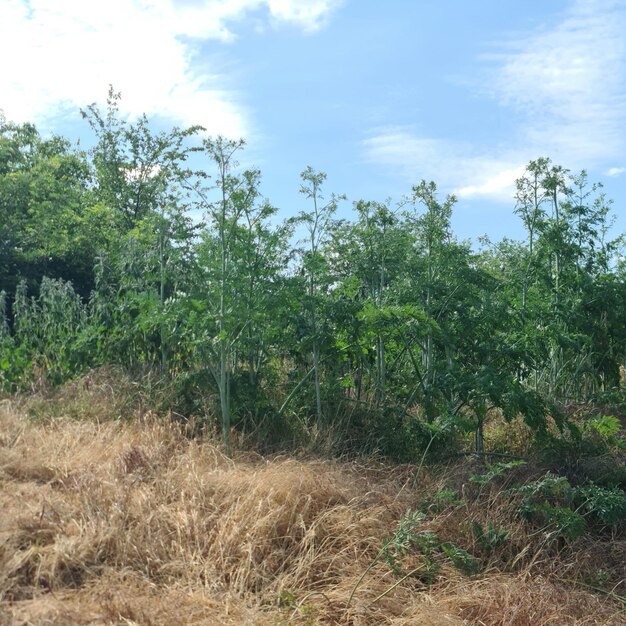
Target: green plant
(547, 503)
(465, 562)
(600, 578)
(287, 599)
(608, 428)
(409, 540)
(562, 521)
(607, 504)
(406, 537)
(442, 500)
(489, 537)
(607, 425)
(550, 486)
(495, 471)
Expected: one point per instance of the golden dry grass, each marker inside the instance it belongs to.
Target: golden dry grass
(110, 522)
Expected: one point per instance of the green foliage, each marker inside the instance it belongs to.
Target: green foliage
(443, 499)
(495, 470)
(465, 562)
(547, 503)
(607, 425)
(406, 537)
(48, 335)
(608, 428)
(383, 331)
(551, 502)
(562, 521)
(591, 450)
(408, 540)
(549, 487)
(489, 537)
(608, 505)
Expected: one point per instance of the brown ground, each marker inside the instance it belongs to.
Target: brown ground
(135, 523)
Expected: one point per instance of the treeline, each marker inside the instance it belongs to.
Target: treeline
(384, 329)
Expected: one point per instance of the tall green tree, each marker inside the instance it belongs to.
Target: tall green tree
(318, 222)
(144, 184)
(239, 261)
(44, 210)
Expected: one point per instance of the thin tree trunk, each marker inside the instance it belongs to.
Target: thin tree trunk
(162, 297)
(224, 383)
(318, 391)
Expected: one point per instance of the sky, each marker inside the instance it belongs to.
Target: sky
(379, 95)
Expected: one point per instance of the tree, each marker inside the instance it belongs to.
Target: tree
(318, 223)
(436, 269)
(567, 221)
(235, 276)
(134, 166)
(144, 187)
(44, 208)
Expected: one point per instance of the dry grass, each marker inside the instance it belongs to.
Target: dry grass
(110, 522)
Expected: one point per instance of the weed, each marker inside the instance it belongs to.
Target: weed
(489, 537)
(465, 562)
(442, 500)
(607, 504)
(495, 470)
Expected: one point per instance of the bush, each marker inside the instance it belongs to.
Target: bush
(608, 505)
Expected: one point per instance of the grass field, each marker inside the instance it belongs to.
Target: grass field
(105, 521)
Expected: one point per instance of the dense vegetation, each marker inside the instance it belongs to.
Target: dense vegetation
(149, 279)
(155, 252)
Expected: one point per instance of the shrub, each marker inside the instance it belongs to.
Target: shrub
(607, 504)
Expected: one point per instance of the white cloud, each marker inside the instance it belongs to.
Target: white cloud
(210, 18)
(564, 89)
(142, 173)
(64, 53)
(500, 184)
(615, 171)
(308, 14)
(455, 166)
(568, 81)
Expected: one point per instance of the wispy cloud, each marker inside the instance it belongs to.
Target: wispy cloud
(456, 166)
(569, 83)
(310, 15)
(65, 53)
(564, 87)
(615, 171)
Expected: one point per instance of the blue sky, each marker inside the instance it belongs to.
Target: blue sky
(378, 95)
